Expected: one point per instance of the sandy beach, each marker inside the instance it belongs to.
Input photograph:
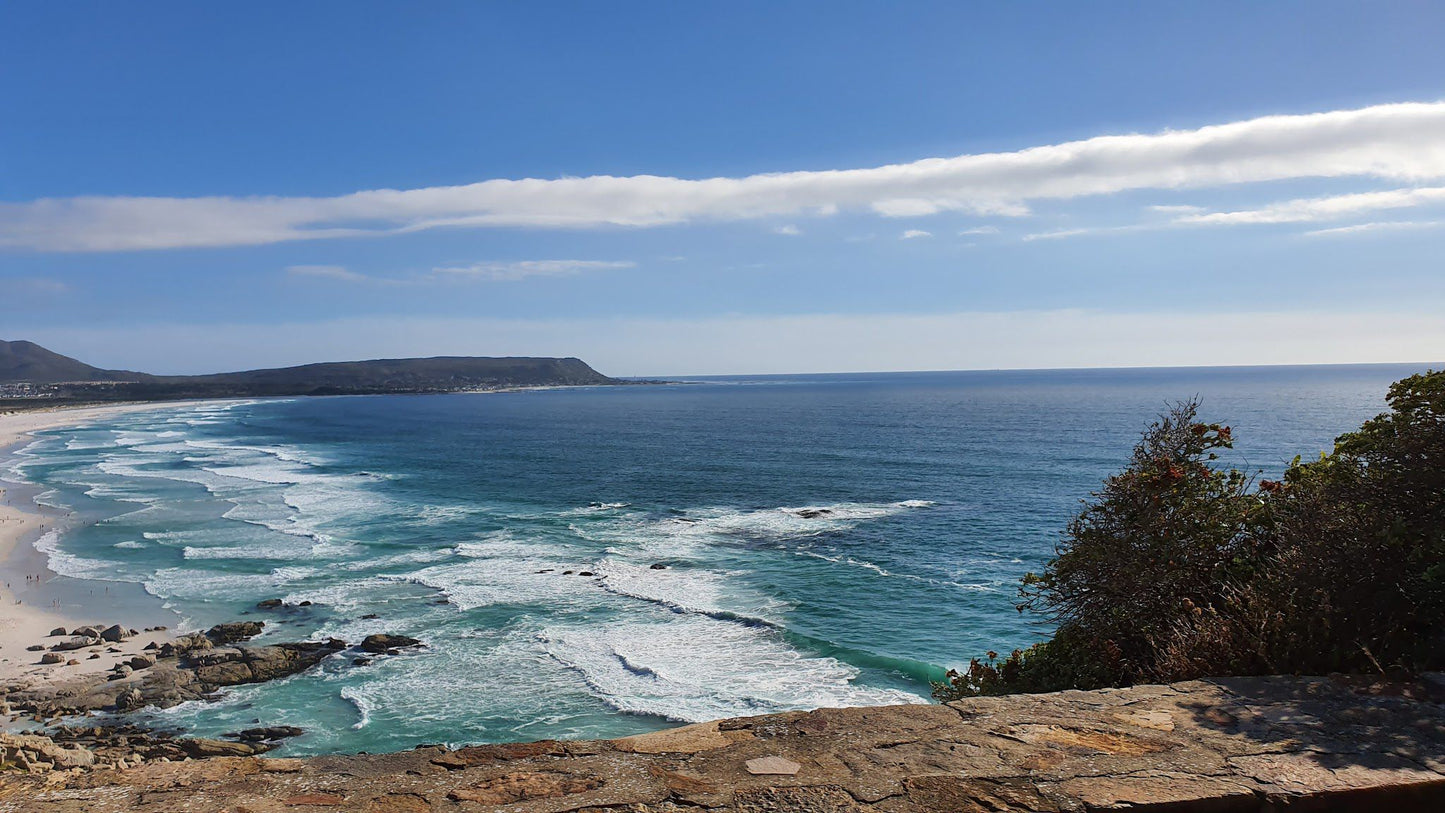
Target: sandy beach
(22, 624)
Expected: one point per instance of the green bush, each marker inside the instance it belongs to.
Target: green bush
(1355, 580)
(1179, 569)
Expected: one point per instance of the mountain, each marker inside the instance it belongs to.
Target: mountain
(29, 362)
(66, 379)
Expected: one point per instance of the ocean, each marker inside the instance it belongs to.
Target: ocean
(598, 562)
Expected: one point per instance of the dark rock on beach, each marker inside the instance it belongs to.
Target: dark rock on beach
(74, 644)
(115, 633)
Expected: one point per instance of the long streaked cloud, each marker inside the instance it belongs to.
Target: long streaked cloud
(1307, 210)
(786, 343)
(332, 272)
(1376, 226)
(508, 271)
(490, 271)
(1299, 210)
(1403, 142)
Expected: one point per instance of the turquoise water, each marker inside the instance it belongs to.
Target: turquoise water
(827, 540)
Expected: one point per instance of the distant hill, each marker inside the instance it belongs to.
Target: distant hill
(29, 362)
(440, 374)
(67, 379)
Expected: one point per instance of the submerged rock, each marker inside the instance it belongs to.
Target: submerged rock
(813, 513)
(275, 732)
(381, 643)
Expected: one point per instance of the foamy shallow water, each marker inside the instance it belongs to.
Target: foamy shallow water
(827, 541)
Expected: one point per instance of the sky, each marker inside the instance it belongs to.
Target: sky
(713, 188)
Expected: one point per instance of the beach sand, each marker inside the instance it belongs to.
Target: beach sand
(22, 624)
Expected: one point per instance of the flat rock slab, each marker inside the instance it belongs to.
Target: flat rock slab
(1245, 744)
(772, 766)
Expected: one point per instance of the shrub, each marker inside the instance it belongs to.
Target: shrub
(1356, 576)
(1159, 542)
(1178, 569)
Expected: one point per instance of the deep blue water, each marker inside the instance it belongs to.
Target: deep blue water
(827, 540)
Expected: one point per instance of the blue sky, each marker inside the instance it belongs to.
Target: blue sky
(678, 188)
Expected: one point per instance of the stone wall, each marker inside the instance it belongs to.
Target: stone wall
(1247, 744)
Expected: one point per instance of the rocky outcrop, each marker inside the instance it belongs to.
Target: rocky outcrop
(1249, 744)
(235, 631)
(189, 668)
(261, 663)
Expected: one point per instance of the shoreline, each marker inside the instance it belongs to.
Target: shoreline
(25, 573)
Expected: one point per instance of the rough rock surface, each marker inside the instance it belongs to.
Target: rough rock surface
(1247, 744)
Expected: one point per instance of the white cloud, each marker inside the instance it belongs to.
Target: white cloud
(1176, 209)
(788, 230)
(336, 272)
(980, 230)
(1405, 142)
(508, 271)
(1305, 210)
(914, 234)
(1365, 228)
(786, 343)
